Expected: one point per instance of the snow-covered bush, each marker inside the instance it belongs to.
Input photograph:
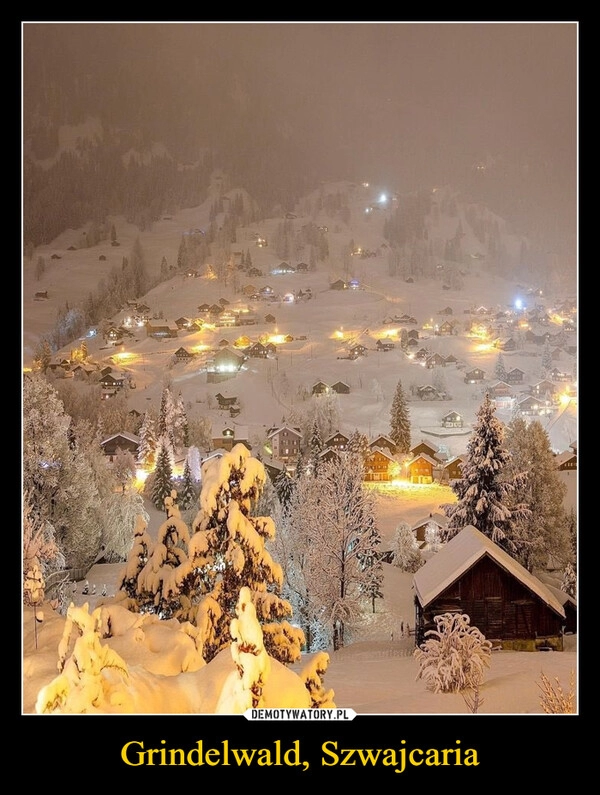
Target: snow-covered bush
(455, 655)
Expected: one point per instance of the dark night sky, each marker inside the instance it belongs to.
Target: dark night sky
(405, 103)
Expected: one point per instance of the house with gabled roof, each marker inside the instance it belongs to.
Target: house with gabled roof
(384, 442)
(337, 441)
(284, 443)
(420, 468)
(452, 469)
(566, 461)
(425, 447)
(515, 376)
(544, 388)
(472, 575)
(446, 328)
(452, 419)
(533, 406)
(124, 441)
(379, 466)
(435, 360)
(257, 351)
(474, 376)
(183, 355)
(436, 520)
(320, 388)
(341, 388)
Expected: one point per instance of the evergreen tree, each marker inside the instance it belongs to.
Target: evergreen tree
(147, 447)
(187, 493)
(544, 532)
(400, 431)
(500, 369)
(485, 491)
(228, 548)
(162, 484)
(136, 560)
(546, 359)
(315, 446)
(284, 486)
(141, 281)
(358, 443)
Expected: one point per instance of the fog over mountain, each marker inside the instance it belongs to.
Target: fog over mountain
(489, 107)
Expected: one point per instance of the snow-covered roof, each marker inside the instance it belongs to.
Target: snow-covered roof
(437, 518)
(460, 554)
(124, 435)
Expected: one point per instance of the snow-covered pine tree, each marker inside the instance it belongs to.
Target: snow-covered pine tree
(358, 443)
(315, 446)
(180, 424)
(546, 359)
(542, 533)
(284, 486)
(500, 369)
(136, 561)
(188, 494)
(400, 431)
(485, 491)
(147, 447)
(162, 485)
(169, 578)
(228, 547)
(370, 563)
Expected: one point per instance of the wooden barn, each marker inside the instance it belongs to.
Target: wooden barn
(473, 575)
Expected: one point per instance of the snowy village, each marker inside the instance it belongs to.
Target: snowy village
(309, 449)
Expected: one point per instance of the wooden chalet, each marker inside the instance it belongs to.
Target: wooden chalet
(227, 361)
(284, 443)
(543, 388)
(500, 389)
(452, 420)
(446, 328)
(420, 468)
(341, 388)
(161, 328)
(437, 520)
(225, 402)
(424, 447)
(566, 461)
(111, 381)
(515, 376)
(474, 376)
(378, 466)
(532, 406)
(183, 355)
(257, 351)
(473, 575)
(230, 436)
(320, 388)
(337, 441)
(452, 469)
(384, 345)
(339, 284)
(383, 442)
(126, 442)
(435, 360)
